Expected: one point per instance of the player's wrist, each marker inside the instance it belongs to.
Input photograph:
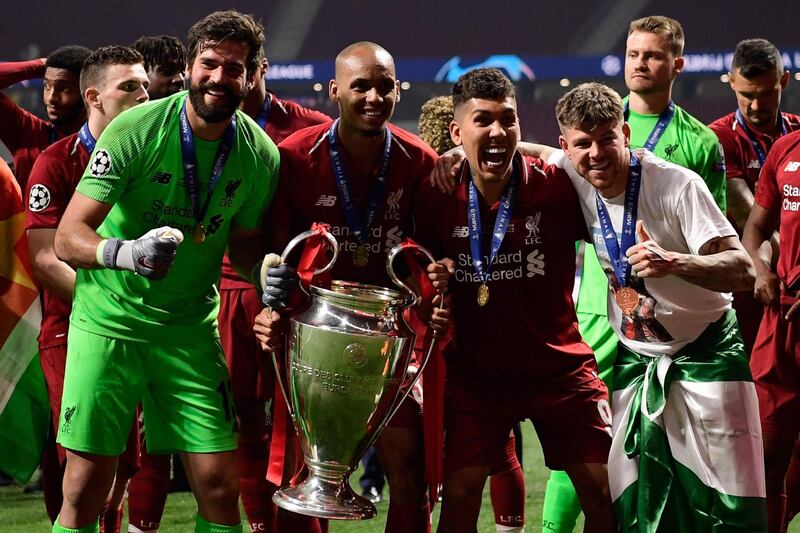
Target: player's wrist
(115, 254)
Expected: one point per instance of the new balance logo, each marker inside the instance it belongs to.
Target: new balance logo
(792, 166)
(753, 163)
(161, 177)
(461, 232)
(535, 264)
(326, 200)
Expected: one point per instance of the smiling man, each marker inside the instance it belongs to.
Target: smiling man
(360, 174)
(687, 451)
(511, 224)
(26, 135)
(143, 325)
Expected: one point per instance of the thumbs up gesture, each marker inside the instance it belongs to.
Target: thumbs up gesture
(647, 258)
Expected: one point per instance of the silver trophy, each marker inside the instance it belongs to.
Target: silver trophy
(346, 360)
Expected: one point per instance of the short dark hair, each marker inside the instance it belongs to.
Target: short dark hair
(667, 26)
(223, 26)
(159, 50)
(94, 68)
(482, 83)
(69, 58)
(754, 57)
(589, 106)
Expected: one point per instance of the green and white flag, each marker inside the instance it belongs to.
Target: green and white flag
(24, 409)
(687, 452)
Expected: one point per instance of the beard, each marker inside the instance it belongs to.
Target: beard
(214, 113)
(69, 116)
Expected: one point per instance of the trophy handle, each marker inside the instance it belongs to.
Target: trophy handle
(415, 300)
(286, 251)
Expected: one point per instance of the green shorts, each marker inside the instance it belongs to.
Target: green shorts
(597, 333)
(185, 393)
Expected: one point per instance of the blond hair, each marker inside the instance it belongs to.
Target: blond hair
(589, 106)
(434, 123)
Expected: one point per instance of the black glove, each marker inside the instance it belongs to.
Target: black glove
(279, 284)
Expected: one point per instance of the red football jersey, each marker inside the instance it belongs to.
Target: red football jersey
(24, 134)
(53, 179)
(779, 190)
(527, 331)
(741, 159)
(285, 118)
(307, 193)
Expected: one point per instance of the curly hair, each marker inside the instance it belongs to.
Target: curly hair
(482, 83)
(159, 50)
(434, 123)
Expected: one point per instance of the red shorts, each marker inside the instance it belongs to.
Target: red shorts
(570, 415)
(238, 309)
(776, 372)
(53, 361)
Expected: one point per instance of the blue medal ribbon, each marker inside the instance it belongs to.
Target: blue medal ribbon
(86, 138)
(760, 153)
(500, 225)
(661, 125)
(53, 134)
(358, 226)
(263, 115)
(616, 250)
(189, 156)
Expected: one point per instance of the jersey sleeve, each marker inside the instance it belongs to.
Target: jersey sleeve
(767, 194)
(713, 171)
(730, 151)
(268, 173)
(16, 71)
(700, 218)
(47, 193)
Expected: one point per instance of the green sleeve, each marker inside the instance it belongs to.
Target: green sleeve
(263, 189)
(714, 173)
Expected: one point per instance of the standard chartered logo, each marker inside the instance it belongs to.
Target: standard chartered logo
(535, 264)
(393, 237)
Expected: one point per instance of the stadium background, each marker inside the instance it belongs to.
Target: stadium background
(545, 47)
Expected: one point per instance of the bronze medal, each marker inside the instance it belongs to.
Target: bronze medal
(361, 255)
(199, 233)
(483, 294)
(627, 300)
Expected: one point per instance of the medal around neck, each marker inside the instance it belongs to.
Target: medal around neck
(483, 294)
(199, 233)
(361, 255)
(627, 300)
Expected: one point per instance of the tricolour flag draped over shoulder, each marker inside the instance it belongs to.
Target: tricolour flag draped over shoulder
(24, 410)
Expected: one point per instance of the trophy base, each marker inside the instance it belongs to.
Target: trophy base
(323, 498)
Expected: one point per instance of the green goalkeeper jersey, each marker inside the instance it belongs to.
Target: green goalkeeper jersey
(137, 167)
(686, 142)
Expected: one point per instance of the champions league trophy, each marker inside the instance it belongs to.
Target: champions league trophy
(346, 360)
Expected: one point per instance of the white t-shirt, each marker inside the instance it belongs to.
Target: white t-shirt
(679, 214)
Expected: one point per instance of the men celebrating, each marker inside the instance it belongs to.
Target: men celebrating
(26, 135)
(653, 59)
(143, 321)
(511, 222)
(758, 78)
(113, 80)
(687, 450)
(253, 387)
(359, 174)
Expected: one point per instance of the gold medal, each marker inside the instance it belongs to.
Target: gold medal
(361, 255)
(627, 300)
(199, 233)
(483, 294)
